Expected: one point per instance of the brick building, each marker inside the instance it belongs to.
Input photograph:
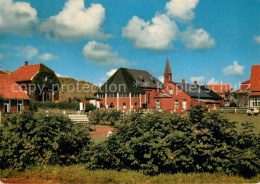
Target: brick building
(132, 89)
(12, 97)
(129, 89)
(252, 86)
(39, 82)
(179, 97)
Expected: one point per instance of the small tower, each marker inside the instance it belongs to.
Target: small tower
(167, 73)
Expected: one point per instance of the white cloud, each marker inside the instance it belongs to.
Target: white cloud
(59, 75)
(29, 52)
(181, 9)
(197, 39)
(155, 35)
(75, 22)
(102, 54)
(17, 17)
(161, 78)
(213, 81)
(234, 69)
(47, 57)
(199, 79)
(111, 72)
(257, 39)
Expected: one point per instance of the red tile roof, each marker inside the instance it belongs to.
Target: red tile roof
(255, 78)
(246, 82)
(220, 88)
(9, 89)
(255, 93)
(25, 73)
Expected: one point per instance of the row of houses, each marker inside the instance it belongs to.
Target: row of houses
(131, 89)
(126, 89)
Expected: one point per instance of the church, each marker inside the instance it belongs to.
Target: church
(132, 89)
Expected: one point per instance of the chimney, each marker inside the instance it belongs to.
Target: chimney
(183, 81)
(26, 63)
(196, 83)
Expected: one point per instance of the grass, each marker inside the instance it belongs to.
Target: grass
(78, 174)
(242, 118)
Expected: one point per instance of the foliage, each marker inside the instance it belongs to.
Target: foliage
(241, 98)
(233, 103)
(105, 116)
(90, 107)
(54, 105)
(161, 142)
(27, 139)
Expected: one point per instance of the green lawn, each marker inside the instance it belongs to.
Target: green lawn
(242, 118)
(78, 174)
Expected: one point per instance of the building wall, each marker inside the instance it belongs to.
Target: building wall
(13, 108)
(169, 103)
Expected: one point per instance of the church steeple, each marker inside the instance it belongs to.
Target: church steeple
(168, 69)
(167, 73)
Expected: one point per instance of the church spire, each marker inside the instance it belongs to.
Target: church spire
(167, 73)
(167, 67)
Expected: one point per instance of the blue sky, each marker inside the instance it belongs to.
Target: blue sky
(208, 41)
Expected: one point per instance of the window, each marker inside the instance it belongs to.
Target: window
(176, 104)
(135, 104)
(184, 104)
(171, 91)
(111, 95)
(124, 95)
(166, 78)
(158, 106)
(7, 106)
(19, 105)
(102, 95)
(255, 102)
(149, 98)
(135, 95)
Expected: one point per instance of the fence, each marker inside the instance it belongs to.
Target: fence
(235, 110)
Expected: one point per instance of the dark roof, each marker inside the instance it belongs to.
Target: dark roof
(126, 80)
(144, 78)
(168, 69)
(193, 91)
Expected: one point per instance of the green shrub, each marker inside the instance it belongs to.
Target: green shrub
(105, 116)
(54, 105)
(161, 142)
(27, 139)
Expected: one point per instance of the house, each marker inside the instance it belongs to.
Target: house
(223, 90)
(179, 97)
(38, 81)
(249, 91)
(129, 89)
(12, 97)
(254, 99)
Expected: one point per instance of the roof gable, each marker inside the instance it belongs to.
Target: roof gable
(9, 89)
(198, 91)
(26, 73)
(121, 82)
(255, 78)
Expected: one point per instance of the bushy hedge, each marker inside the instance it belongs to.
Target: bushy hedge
(105, 116)
(161, 142)
(54, 105)
(27, 139)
